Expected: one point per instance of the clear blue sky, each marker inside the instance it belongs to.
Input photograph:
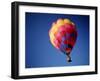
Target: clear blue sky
(39, 50)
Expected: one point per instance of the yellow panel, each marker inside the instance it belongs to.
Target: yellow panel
(67, 21)
(60, 22)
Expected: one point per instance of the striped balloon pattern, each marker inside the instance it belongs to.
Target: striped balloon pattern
(63, 35)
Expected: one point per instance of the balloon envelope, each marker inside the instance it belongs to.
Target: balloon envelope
(63, 35)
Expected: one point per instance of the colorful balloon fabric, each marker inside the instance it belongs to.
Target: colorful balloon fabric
(63, 35)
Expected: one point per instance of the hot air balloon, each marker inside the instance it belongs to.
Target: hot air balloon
(63, 35)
